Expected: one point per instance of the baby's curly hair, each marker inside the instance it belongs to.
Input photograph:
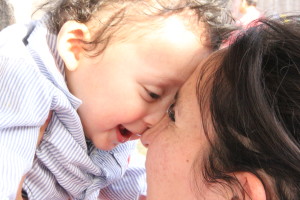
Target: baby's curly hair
(131, 14)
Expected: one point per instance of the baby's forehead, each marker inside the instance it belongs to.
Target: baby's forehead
(174, 24)
(138, 21)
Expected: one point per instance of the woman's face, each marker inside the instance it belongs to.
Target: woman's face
(173, 147)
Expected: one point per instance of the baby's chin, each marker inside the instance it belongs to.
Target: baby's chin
(105, 147)
(103, 141)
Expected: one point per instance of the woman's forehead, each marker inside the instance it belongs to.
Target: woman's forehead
(198, 86)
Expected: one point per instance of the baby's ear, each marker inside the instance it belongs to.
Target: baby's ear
(252, 186)
(69, 42)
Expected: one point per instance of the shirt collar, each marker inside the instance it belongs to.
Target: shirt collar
(43, 43)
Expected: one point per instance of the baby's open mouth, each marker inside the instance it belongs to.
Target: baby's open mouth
(124, 132)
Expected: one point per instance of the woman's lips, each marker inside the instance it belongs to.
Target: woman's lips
(123, 134)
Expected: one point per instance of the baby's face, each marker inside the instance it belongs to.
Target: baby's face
(128, 88)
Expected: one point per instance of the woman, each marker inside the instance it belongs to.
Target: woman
(237, 136)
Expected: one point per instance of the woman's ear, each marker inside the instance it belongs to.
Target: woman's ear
(69, 42)
(253, 188)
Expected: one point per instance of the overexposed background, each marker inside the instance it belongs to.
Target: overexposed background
(23, 9)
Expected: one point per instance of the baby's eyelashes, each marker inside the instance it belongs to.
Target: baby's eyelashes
(153, 95)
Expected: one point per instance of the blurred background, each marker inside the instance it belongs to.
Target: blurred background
(269, 7)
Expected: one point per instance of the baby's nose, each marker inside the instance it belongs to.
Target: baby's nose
(153, 118)
(137, 128)
(150, 134)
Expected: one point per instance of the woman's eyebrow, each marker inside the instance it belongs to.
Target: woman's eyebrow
(176, 95)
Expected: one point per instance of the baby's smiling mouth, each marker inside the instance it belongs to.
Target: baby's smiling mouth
(124, 132)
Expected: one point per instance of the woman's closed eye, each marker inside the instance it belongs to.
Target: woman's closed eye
(171, 112)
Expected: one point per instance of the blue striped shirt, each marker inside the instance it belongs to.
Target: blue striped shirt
(64, 165)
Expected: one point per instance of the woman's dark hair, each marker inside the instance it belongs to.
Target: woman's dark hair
(212, 12)
(254, 101)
